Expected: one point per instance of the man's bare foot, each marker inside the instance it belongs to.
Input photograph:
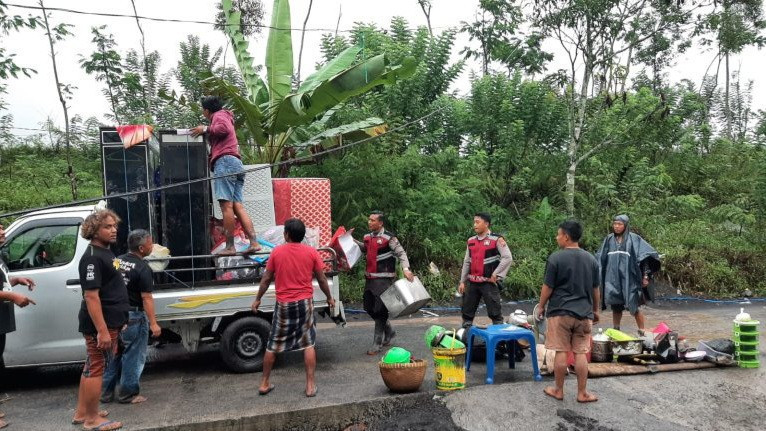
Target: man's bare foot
(554, 393)
(138, 399)
(312, 393)
(264, 390)
(101, 413)
(227, 252)
(587, 397)
(254, 248)
(103, 426)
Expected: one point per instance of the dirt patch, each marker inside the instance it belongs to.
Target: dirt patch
(576, 422)
(426, 416)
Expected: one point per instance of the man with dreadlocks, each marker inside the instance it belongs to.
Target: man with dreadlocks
(626, 264)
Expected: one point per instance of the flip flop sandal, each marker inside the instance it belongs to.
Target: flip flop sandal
(102, 413)
(266, 392)
(106, 426)
(313, 394)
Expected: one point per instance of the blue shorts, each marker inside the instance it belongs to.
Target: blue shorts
(228, 188)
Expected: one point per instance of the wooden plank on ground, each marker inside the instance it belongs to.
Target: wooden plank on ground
(618, 369)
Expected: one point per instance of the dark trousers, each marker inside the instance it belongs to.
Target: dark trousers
(473, 294)
(377, 310)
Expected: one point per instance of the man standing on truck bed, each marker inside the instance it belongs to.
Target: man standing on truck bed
(382, 249)
(104, 311)
(129, 364)
(7, 300)
(292, 266)
(225, 159)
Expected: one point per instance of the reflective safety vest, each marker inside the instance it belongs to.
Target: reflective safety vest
(381, 262)
(485, 257)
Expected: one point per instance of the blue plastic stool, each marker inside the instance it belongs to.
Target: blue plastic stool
(495, 334)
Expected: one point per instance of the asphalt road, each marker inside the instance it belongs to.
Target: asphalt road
(197, 392)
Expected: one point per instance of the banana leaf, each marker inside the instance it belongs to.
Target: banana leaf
(302, 108)
(335, 66)
(372, 126)
(279, 52)
(240, 46)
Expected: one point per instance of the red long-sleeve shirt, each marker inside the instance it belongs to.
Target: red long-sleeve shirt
(222, 136)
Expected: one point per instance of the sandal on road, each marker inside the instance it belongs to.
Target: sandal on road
(102, 413)
(266, 392)
(106, 426)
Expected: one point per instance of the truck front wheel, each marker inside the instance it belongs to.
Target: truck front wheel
(243, 344)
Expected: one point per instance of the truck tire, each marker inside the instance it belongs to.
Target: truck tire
(243, 344)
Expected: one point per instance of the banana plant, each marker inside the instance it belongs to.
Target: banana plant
(283, 121)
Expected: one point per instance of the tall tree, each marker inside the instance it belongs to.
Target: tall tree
(106, 63)
(494, 24)
(496, 28)
(731, 26)
(591, 33)
(58, 34)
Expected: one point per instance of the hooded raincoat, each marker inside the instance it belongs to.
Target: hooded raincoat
(622, 267)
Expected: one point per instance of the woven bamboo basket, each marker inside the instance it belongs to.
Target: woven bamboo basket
(403, 378)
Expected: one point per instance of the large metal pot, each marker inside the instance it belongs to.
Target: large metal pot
(601, 351)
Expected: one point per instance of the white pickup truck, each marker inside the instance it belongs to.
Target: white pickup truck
(46, 246)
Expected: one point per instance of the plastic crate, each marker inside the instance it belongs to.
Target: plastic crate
(745, 337)
(747, 328)
(747, 356)
(740, 346)
(749, 364)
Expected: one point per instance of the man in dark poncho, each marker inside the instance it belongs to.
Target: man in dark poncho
(627, 263)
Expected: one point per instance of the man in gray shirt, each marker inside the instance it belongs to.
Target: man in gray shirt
(486, 263)
(570, 291)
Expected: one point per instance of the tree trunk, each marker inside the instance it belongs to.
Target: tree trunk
(727, 105)
(575, 133)
(303, 34)
(427, 13)
(109, 87)
(570, 188)
(70, 169)
(147, 102)
(627, 69)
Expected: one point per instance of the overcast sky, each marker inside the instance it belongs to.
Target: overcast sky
(31, 101)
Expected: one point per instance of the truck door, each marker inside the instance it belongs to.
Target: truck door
(45, 250)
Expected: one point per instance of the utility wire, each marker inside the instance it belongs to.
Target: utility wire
(182, 21)
(208, 178)
(149, 18)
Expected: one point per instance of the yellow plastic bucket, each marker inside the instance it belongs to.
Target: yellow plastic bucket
(449, 365)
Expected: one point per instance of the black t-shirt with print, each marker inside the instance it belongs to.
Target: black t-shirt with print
(138, 278)
(99, 270)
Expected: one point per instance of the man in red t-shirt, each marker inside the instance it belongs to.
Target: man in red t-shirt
(293, 266)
